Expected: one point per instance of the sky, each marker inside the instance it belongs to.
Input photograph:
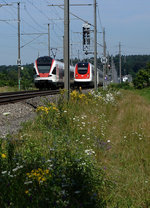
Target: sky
(125, 21)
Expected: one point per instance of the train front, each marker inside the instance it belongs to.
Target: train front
(42, 77)
(83, 74)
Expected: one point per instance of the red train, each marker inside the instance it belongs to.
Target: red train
(84, 75)
(49, 73)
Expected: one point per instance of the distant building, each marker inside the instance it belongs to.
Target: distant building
(127, 78)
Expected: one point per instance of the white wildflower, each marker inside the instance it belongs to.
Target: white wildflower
(89, 151)
(83, 163)
(49, 161)
(77, 192)
(3, 172)
(109, 97)
(27, 182)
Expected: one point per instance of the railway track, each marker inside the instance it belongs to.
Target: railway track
(12, 97)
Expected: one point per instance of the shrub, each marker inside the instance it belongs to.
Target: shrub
(64, 179)
(142, 79)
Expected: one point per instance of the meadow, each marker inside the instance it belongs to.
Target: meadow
(90, 152)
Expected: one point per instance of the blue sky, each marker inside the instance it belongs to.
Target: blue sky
(125, 21)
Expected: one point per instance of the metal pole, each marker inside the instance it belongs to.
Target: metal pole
(19, 60)
(107, 70)
(66, 50)
(63, 49)
(112, 69)
(95, 46)
(120, 60)
(48, 40)
(71, 54)
(104, 54)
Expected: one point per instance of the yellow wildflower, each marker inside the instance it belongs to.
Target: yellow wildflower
(47, 171)
(39, 178)
(3, 155)
(26, 192)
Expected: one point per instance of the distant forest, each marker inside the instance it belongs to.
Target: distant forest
(9, 76)
(130, 65)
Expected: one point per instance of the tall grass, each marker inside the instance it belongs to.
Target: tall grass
(145, 93)
(90, 152)
(127, 161)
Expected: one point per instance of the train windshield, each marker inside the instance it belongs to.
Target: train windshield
(44, 64)
(82, 68)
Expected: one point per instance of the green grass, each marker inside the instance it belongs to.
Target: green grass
(145, 93)
(12, 89)
(8, 89)
(90, 152)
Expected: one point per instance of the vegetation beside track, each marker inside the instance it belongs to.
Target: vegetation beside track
(90, 152)
(144, 93)
(8, 89)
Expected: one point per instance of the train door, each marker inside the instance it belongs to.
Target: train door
(57, 73)
(92, 73)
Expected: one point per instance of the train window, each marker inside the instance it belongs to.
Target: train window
(43, 69)
(54, 71)
(82, 68)
(44, 64)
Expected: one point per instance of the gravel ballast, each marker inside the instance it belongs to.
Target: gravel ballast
(13, 115)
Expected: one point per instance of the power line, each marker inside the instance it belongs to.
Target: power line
(76, 16)
(33, 19)
(100, 19)
(70, 5)
(30, 41)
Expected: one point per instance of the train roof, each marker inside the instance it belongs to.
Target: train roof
(83, 64)
(45, 59)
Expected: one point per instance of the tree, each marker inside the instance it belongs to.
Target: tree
(142, 79)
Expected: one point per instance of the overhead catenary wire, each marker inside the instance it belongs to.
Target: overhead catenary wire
(100, 19)
(30, 23)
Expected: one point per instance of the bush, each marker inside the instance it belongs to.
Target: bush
(142, 79)
(123, 85)
(64, 179)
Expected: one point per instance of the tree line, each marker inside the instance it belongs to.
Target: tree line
(9, 76)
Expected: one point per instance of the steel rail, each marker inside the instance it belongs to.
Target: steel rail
(17, 92)
(6, 98)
